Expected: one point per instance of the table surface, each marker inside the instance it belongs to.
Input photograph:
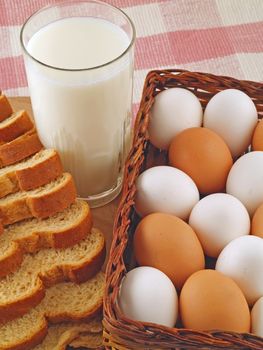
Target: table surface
(218, 36)
(223, 37)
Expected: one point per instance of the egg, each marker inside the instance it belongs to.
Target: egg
(257, 222)
(169, 244)
(245, 180)
(217, 219)
(165, 189)
(257, 139)
(173, 110)
(210, 301)
(148, 295)
(257, 318)
(242, 260)
(232, 114)
(204, 156)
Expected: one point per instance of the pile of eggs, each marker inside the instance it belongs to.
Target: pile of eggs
(206, 202)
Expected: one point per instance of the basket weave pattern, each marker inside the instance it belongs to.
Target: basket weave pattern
(122, 333)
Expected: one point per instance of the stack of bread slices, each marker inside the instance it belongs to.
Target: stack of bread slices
(50, 255)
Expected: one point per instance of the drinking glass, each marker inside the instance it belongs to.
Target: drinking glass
(79, 57)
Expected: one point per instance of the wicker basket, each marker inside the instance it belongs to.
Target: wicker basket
(122, 333)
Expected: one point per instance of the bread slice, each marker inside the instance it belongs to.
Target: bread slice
(25, 288)
(82, 334)
(40, 203)
(85, 340)
(31, 173)
(59, 231)
(15, 125)
(20, 148)
(63, 302)
(5, 108)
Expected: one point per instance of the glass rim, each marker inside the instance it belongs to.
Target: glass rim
(74, 3)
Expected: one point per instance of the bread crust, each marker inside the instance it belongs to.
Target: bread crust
(47, 315)
(78, 272)
(62, 238)
(14, 211)
(42, 205)
(86, 315)
(8, 184)
(20, 148)
(16, 127)
(5, 108)
(20, 307)
(33, 341)
(11, 261)
(81, 334)
(84, 272)
(31, 177)
(38, 337)
(39, 174)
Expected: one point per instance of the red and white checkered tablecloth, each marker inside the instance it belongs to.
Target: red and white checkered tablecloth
(217, 36)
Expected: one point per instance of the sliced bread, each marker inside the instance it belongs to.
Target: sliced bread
(15, 125)
(25, 288)
(31, 173)
(20, 148)
(85, 340)
(5, 108)
(63, 302)
(59, 231)
(40, 203)
(82, 334)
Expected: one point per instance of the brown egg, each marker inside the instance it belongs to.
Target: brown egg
(209, 300)
(257, 222)
(204, 156)
(257, 139)
(169, 244)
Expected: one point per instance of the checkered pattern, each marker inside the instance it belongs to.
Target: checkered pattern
(217, 36)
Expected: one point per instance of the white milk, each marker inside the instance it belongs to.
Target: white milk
(84, 114)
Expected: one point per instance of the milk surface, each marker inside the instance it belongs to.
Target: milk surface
(83, 114)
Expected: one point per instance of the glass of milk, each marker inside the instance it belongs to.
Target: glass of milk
(79, 63)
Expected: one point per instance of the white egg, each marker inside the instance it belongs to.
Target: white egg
(257, 318)
(165, 189)
(245, 180)
(148, 295)
(217, 219)
(242, 260)
(232, 115)
(173, 111)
